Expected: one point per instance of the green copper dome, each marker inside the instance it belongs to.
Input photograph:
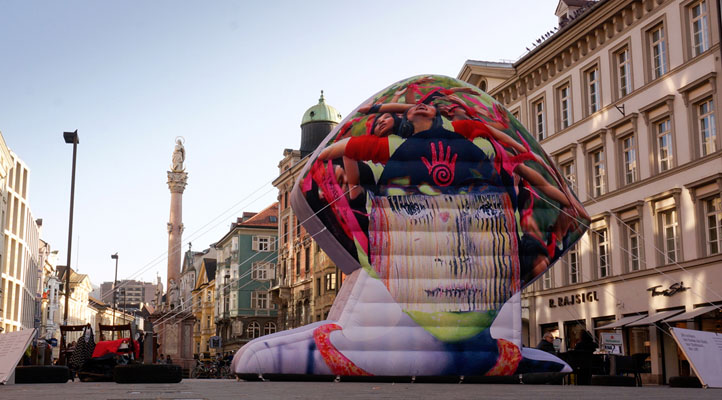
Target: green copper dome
(321, 112)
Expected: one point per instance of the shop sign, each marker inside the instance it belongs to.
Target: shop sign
(573, 299)
(671, 291)
(612, 342)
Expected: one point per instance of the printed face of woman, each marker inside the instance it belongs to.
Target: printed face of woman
(446, 253)
(421, 111)
(384, 125)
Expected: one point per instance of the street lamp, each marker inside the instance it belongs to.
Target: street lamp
(70, 137)
(115, 283)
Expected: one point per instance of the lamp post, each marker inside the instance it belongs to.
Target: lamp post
(115, 283)
(70, 137)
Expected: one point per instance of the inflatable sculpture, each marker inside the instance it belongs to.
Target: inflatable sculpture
(440, 208)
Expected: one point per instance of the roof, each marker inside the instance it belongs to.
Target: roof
(210, 269)
(265, 218)
(584, 12)
(321, 112)
(74, 276)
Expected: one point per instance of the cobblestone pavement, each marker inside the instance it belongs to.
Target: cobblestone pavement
(230, 389)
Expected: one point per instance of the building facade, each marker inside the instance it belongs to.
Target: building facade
(20, 272)
(623, 96)
(306, 280)
(5, 165)
(203, 308)
(131, 294)
(246, 265)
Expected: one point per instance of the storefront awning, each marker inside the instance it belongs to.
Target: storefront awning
(691, 314)
(622, 321)
(656, 317)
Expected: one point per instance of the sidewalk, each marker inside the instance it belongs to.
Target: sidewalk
(230, 389)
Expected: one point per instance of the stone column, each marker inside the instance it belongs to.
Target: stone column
(176, 184)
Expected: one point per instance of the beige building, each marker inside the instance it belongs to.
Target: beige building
(306, 280)
(78, 311)
(623, 96)
(20, 266)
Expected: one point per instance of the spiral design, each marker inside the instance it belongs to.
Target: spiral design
(442, 174)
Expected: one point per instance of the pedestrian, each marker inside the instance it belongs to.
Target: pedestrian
(168, 360)
(547, 343)
(161, 359)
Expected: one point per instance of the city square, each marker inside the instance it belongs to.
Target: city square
(552, 218)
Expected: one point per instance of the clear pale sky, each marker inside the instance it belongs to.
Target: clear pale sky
(232, 77)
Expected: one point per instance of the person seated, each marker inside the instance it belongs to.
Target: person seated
(547, 343)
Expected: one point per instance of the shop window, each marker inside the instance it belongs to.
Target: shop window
(573, 331)
(637, 341)
(253, 330)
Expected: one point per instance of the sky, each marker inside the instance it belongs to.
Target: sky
(233, 78)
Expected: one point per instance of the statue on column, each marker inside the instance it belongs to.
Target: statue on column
(179, 156)
(173, 296)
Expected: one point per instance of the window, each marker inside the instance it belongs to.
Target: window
(298, 263)
(601, 245)
(706, 127)
(330, 281)
(539, 119)
(632, 237)
(261, 270)
(713, 224)
(569, 171)
(263, 243)
(307, 260)
(253, 330)
(593, 95)
(285, 231)
(629, 158)
(598, 172)
(658, 51)
(547, 279)
(269, 328)
(699, 27)
(664, 144)
(259, 300)
(573, 261)
(670, 238)
(565, 107)
(624, 72)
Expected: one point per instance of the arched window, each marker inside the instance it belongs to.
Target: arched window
(482, 85)
(254, 330)
(269, 328)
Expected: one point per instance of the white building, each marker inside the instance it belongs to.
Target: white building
(624, 97)
(20, 277)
